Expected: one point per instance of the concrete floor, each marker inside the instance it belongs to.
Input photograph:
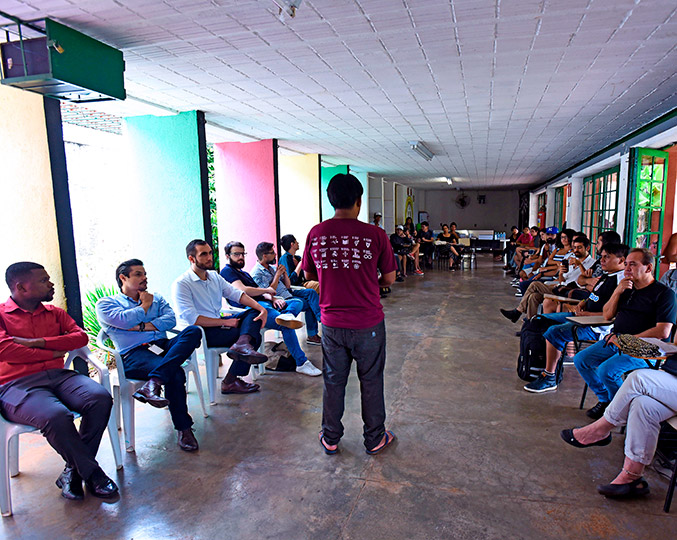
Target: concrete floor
(476, 457)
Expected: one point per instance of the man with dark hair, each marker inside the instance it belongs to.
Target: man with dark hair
(589, 277)
(378, 217)
(642, 307)
(293, 263)
(427, 243)
(197, 295)
(281, 313)
(137, 322)
(36, 390)
(266, 274)
(347, 256)
(557, 337)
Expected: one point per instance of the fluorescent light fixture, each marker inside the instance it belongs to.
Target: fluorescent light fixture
(448, 181)
(287, 7)
(422, 150)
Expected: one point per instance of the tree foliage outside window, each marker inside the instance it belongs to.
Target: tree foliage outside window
(212, 205)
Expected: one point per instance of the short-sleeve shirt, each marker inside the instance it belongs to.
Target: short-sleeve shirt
(641, 309)
(427, 235)
(602, 291)
(346, 255)
(231, 275)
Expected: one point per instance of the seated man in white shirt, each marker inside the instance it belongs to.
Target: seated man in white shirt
(568, 273)
(197, 298)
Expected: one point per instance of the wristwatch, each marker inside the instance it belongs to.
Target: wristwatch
(142, 325)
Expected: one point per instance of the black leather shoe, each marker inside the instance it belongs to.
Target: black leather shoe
(101, 486)
(70, 483)
(512, 314)
(597, 411)
(238, 386)
(187, 440)
(151, 393)
(246, 353)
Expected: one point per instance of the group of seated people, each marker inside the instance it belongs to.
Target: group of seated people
(34, 337)
(619, 286)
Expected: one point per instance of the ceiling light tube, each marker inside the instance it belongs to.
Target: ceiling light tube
(422, 150)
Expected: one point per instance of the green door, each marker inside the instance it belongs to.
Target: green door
(648, 171)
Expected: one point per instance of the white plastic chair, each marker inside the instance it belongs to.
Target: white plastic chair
(9, 434)
(124, 390)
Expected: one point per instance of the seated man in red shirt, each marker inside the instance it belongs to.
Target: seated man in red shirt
(36, 390)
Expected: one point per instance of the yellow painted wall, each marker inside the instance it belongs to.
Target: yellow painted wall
(298, 180)
(27, 219)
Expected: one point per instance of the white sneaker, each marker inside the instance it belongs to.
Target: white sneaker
(308, 369)
(288, 321)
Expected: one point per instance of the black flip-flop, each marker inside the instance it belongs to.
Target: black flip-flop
(324, 446)
(568, 437)
(390, 437)
(635, 488)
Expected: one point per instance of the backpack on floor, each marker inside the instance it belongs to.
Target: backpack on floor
(531, 360)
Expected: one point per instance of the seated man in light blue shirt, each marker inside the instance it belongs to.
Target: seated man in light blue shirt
(197, 296)
(267, 275)
(137, 322)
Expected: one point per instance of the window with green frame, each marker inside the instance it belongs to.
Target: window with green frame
(600, 201)
(558, 220)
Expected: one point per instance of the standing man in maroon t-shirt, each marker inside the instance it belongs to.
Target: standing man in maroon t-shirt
(346, 256)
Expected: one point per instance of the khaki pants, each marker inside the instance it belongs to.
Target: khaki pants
(533, 297)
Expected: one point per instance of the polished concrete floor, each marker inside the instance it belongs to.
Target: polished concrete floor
(476, 456)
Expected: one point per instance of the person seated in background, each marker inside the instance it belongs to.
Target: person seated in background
(589, 278)
(646, 398)
(511, 246)
(525, 244)
(281, 313)
(534, 293)
(37, 391)
(539, 258)
(293, 263)
(137, 322)
(197, 295)
(549, 270)
(377, 220)
(557, 337)
(266, 274)
(410, 228)
(642, 307)
(426, 242)
(404, 247)
(449, 238)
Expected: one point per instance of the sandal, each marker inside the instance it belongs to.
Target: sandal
(635, 488)
(568, 437)
(323, 443)
(390, 437)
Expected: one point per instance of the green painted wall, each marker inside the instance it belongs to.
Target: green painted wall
(163, 194)
(326, 174)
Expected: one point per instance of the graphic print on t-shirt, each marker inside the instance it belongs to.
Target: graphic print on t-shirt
(353, 251)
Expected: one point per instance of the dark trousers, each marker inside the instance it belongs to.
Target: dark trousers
(225, 337)
(47, 400)
(142, 364)
(367, 347)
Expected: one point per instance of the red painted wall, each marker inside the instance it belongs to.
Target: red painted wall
(245, 194)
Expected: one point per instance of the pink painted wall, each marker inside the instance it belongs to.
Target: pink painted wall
(245, 194)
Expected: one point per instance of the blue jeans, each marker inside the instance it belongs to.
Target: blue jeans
(603, 367)
(311, 306)
(294, 306)
(561, 334)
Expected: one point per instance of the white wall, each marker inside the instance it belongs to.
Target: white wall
(500, 212)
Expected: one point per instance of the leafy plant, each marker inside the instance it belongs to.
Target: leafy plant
(212, 205)
(92, 326)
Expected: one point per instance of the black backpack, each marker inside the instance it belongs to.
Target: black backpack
(531, 360)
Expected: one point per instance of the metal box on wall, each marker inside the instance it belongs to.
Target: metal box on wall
(65, 64)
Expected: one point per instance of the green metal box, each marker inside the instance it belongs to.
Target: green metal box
(65, 64)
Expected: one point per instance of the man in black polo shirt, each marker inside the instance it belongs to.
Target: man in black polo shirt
(281, 313)
(642, 307)
(425, 239)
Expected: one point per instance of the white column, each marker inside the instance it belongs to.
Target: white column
(623, 195)
(533, 209)
(550, 207)
(375, 200)
(389, 205)
(575, 215)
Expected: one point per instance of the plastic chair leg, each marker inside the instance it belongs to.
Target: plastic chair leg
(585, 393)
(5, 488)
(671, 489)
(117, 407)
(198, 385)
(115, 440)
(13, 446)
(212, 367)
(128, 424)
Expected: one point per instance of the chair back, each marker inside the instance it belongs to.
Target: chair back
(101, 339)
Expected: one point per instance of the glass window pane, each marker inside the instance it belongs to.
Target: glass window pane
(643, 220)
(656, 194)
(644, 193)
(658, 169)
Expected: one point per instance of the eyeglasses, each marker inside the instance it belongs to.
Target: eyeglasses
(237, 255)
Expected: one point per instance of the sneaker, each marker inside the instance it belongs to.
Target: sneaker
(314, 340)
(511, 314)
(519, 294)
(419, 273)
(597, 411)
(399, 279)
(567, 360)
(288, 321)
(544, 383)
(308, 369)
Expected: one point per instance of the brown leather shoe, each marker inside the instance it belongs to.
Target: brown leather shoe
(238, 387)
(246, 353)
(151, 393)
(187, 440)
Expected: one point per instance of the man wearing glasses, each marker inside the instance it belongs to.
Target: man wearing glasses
(281, 313)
